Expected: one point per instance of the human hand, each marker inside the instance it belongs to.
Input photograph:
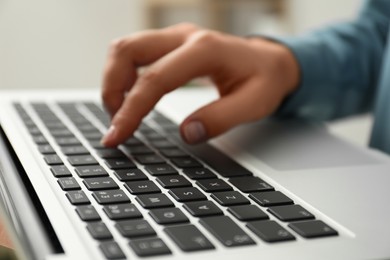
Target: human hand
(253, 76)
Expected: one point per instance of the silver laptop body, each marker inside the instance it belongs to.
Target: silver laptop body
(342, 190)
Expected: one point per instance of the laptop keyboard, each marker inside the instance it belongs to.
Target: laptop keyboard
(181, 187)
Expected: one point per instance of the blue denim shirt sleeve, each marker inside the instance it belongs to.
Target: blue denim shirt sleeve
(340, 66)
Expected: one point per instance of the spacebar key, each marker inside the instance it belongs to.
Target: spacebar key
(226, 231)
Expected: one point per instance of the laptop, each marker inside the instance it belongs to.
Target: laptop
(266, 190)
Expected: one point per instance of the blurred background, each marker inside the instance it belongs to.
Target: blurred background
(63, 43)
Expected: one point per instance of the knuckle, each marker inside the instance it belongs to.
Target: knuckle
(119, 45)
(204, 38)
(150, 78)
(186, 26)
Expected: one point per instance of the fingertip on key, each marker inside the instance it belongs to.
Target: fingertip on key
(109, 138)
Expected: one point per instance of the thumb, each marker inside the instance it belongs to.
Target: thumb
(245, 104)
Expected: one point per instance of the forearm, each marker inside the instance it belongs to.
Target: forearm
(339, 66)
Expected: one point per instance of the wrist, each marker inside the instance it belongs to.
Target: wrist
(279, 63)
(290, 67)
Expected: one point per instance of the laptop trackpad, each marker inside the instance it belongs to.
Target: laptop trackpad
(292, 145)
(282, 145)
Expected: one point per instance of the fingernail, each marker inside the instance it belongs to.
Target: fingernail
(194, 132)
(109, 135)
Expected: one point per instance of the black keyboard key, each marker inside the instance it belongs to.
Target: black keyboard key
(168, 216)
(139, 150)
(110, 153)
(110, 197)
(142, 187)
(199, 173)
(250, 184)
(213, 185)
(150, 159)
(144, 128)
(29, 122)
(229, 198)
(157, 200)
(102, 183)
(75, 150)
(67, 141)
(170, 129)
(149, 247)
(187, 194)
(34, 131)
(86, 127)
(133, 141)
(161, 169)
(80, 121)
(173, 153)
(162, 144)
(95, 136)
(40, 139)
(87, 213)
(247, 212)
(135, 228)
(202, 208)
(99, 230)
(270, 198)
(186, 162)
(77, 197)
(130, 175)
(80, 160)
(122, 211)
(96, 144)
(313, 228)
(152, 135)
(226, 231)
(111, 250)
(290, 213)
(91, 171)
(162, 120)
(175, 181)
(119, 163)
(68, 183)
(46, 149)
(61, 133)
(53, 123)
(52, 159)
(270, 231)
(188, 238)
(60, 171)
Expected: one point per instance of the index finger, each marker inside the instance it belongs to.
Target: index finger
(128, 53)
(175, 69)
